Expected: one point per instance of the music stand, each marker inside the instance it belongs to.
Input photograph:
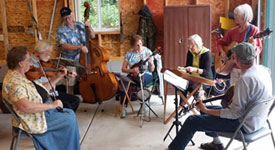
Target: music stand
(190, 78)
(179, 84)
(125, 89)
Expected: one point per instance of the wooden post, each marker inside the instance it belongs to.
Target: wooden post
(34, 11)
(4, 26)
(99, 40)
(65, 3)
(227, 7)
(71, 5)
(165, 2)
(196, 2)
(144, 2)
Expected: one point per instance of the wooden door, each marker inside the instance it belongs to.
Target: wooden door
(179, 23)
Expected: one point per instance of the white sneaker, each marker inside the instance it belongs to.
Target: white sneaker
(124, 113)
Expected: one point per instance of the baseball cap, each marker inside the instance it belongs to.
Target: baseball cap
(245, 51)
(65, 11)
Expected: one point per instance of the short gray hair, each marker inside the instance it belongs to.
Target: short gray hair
(197, 39)
(244, 10)
(42, 46)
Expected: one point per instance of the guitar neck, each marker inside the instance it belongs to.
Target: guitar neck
(213, 99)
(142, 62)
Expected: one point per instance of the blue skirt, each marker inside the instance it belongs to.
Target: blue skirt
(62, 132)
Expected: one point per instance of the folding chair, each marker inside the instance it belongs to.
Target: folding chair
(259, 108)
(17, 133)
(120, 107)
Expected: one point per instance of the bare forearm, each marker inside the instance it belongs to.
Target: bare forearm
(35, 107)
(71, 46)
(92, 32)
(53, 82)
(151, 67)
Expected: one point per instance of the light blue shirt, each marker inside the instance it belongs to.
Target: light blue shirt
(132, 57)
(67, 35)
(254, 85)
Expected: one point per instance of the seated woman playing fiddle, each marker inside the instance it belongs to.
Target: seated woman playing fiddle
(133, 56)
(51, 129)
(198, 62)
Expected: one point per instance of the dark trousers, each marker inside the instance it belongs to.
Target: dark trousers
(204, 122)
(69, 101)
(146, 80)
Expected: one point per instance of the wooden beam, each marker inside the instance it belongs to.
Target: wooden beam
(227, 7)
(65, 3)
(144, 2)
(1, 37)
(108, 33)
(4, 26)
(197, 2)
(34, 12)
(99, 40)
(70, 4)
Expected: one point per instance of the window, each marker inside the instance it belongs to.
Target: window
(104, 18)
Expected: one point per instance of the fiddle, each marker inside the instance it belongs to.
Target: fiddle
(49, 68)
(36, 73)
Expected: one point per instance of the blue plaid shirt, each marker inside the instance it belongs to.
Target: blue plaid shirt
(67, 35)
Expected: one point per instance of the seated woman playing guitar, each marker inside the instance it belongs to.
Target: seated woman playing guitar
(198, 60)
(243, 32)
(136, 54)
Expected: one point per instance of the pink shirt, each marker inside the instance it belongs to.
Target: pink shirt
(235, 35)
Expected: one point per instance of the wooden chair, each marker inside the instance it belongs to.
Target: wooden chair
(119, 107)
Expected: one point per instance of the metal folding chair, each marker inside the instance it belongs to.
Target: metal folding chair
(260, 108)
(17, 133)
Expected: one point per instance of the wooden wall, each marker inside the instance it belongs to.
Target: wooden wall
(19, 21)
(18, 18)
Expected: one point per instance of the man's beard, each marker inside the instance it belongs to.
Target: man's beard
(45, 59)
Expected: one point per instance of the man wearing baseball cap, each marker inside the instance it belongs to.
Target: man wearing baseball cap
(255, 84)
(71, 38)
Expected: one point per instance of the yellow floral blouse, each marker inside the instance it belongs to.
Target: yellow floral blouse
(16, 87)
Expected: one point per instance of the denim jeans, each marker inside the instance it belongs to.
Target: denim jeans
(204, 122)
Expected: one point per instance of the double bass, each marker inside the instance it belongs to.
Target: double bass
(96, 83)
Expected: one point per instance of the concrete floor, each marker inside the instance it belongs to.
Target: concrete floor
(108, 132)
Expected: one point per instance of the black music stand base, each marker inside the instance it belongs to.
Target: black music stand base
(176, 123)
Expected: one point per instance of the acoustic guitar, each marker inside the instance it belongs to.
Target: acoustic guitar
(226, 100)
(224, 63)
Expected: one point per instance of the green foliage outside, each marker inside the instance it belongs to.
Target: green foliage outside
(109, 13)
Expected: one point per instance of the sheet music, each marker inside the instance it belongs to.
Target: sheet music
(175, 80)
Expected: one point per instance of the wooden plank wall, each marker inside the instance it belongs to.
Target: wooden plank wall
(18, 18)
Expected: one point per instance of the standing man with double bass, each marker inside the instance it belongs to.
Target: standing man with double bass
(71, 38)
